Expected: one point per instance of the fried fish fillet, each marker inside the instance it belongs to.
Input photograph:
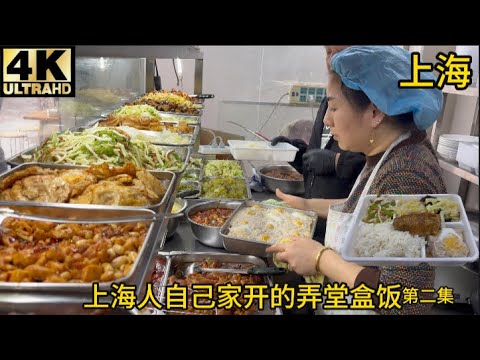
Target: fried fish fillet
(421, 224)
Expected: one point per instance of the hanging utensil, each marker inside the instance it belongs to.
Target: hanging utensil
(256, 270)
(250, 131)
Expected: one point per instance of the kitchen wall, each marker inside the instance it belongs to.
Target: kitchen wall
(258, 74)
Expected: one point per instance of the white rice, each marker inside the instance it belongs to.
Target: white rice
(382, 240)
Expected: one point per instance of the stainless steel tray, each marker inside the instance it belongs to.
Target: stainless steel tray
(252, 247)
(179, 261)
(166, 177)
(62, 298)
(245, 179)
(193, 136)
(191, 175)
(190, 119)
(183, 152)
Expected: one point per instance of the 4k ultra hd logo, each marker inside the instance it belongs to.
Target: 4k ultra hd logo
(43, 72)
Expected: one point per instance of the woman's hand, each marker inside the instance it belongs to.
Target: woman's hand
(320, 206)
(294, 201)
(299, 254)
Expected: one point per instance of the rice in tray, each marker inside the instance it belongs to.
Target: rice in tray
(382, 240)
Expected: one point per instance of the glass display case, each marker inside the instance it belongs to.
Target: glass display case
(106, 77)
(102, 85)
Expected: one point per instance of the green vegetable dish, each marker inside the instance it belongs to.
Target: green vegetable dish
(380, 211)
(101, 145)
(194, 163)
(224, 188)
(187, 186)
(146, 111)
(223, 168)
(190, 175)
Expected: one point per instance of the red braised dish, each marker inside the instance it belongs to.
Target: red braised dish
(212, 217)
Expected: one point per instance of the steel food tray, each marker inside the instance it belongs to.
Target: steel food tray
(63, 298)
(192, 137)
(181, 260)
(182, 152)
(175, 117)
(166, 176)
(244, 178)
(189, 118)
(254, 247)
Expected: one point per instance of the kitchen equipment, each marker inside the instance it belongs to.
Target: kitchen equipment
(179, 263)
(260, 150)
(241, 179)
(66, 298)
(181, 152)
(448, 144)
(168, 179)
(260, 136)
(256, 247)
(467, 157)
(209, 235)
(256, 270)
(176, 217)
(292, 187)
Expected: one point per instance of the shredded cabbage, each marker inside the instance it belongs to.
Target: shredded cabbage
(158, 137)
(100, 145)
(223, 168)
(146, 111)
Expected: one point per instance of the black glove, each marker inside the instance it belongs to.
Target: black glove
(319, 161)
(298, 143)
(280, 139)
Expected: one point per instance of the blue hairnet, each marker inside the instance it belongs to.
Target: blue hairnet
(376, 71)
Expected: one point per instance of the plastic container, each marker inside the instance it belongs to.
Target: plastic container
(262, 150)
(348, 252)
(467, 157)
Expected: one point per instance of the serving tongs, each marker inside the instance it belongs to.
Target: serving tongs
(7, 212)
(187, 193)
(260, 136)
(256, 270)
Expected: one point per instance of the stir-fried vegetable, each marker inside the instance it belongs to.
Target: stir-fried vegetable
(100, 145)
(380, 211)
(223, 168)
(146, 111)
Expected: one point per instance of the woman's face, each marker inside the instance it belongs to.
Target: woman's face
(350, 127)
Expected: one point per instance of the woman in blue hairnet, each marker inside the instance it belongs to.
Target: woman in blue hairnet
(369, 113)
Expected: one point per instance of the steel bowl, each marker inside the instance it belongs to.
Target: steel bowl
(209, 235)
(173, 222)
(292, 187)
